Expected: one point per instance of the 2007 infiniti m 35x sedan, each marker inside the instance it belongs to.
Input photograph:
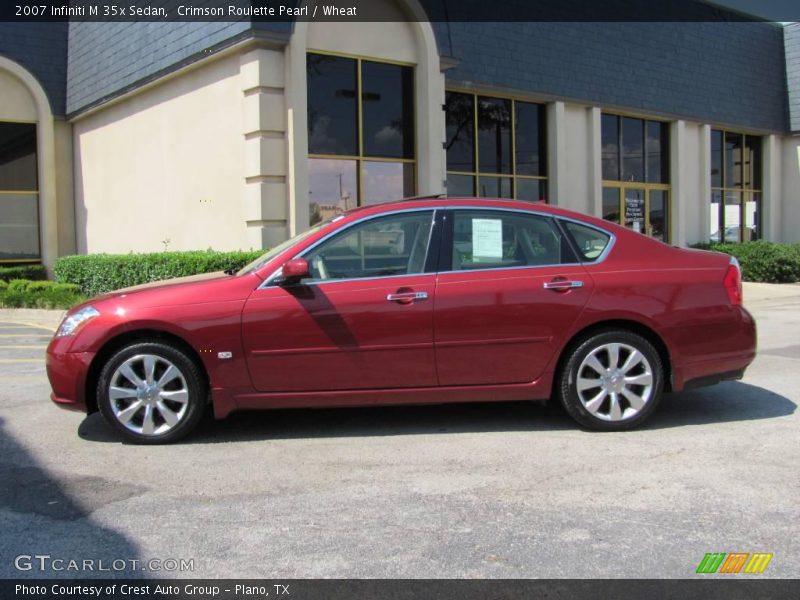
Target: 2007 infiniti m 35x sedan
(414, 302)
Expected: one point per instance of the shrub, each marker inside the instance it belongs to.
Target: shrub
(22, 293)
(35, 272)
(763, 261)
(97, 274)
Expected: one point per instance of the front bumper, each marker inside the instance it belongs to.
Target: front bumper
(68, 373)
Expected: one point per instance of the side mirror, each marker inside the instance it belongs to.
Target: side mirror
(294, 270)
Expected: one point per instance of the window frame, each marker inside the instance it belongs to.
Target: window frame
(360, 158)
(34, 192)
(745, 190)
(622, 185)
(513, 176)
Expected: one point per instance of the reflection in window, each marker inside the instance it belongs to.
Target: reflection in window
(494, 187)
(658, 216)
(382, 247)
(716, 159)
(343, 170)
(460, 118)
(530, 149)
(611, 204)
(332, 105)
(635, 166)
(460, 185)
(609, 125)
(494, 135)
(736, 179)
(386, 181)
(507, 140)
(531, 189)
(19, 198)
(332, 188)
(388, 101)
(632, 149)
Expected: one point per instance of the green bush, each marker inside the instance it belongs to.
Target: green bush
(35, 272)
(97, 274)
(763, 261)
(22, 293)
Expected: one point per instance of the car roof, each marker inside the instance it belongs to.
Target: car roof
(468, 202)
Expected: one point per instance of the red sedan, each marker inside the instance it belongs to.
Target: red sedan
(414, 302)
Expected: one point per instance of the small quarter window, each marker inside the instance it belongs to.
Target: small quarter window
(590, 242)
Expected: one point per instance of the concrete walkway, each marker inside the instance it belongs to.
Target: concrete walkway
(754, 293)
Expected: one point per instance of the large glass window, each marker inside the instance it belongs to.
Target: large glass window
(382, 247)
(635, 166)
(495, 147)
(19, 196)
(360, 133)
(735, 207)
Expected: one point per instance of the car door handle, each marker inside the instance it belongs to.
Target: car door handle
(407, 297)
(562, 284)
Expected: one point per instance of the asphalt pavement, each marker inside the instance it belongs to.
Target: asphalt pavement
(481, 490)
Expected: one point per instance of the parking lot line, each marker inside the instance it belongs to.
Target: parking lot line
(13, 324)
(25, 335)
(26, 347)
(20, 360)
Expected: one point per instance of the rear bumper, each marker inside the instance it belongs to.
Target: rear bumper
(67, 372)
(733, 351)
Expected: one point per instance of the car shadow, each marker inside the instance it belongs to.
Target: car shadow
(47, 518)
(729, 401)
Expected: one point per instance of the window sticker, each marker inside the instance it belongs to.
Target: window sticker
(487, 240)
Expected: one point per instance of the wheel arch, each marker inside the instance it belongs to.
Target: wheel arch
(130, 337)
(637, 327)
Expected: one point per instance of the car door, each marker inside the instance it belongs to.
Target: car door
(363, 320)
(509, 288)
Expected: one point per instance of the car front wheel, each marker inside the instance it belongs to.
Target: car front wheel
(151, 393)
(612, 381)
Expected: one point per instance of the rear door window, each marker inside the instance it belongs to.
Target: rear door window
(485, 239)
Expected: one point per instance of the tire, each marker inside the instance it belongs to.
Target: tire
(174, 395)
(605, 399)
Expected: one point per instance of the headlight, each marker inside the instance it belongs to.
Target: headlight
(71, 323)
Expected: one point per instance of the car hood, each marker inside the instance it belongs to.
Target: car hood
(194, 289)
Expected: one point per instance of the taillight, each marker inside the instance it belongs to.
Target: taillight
(733, 282)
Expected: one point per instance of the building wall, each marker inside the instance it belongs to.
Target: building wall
(790, 215)
(791, 37)
(164, 164)
(723, 73)
(17, 102)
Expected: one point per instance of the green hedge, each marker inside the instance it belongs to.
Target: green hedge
(763, 261)
(35, 272)
(97, 274)
(24, 293)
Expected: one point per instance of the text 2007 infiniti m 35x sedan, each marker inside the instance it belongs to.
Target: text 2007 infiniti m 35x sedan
(414, 302)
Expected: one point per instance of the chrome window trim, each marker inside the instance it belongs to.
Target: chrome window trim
(269, 281)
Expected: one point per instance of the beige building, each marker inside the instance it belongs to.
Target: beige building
(242, 138)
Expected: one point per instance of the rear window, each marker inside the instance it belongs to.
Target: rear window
(589, 241)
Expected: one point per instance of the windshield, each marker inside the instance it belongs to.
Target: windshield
(269, 255)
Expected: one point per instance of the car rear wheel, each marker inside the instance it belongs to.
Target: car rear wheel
(152, 393)
(612, 381)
